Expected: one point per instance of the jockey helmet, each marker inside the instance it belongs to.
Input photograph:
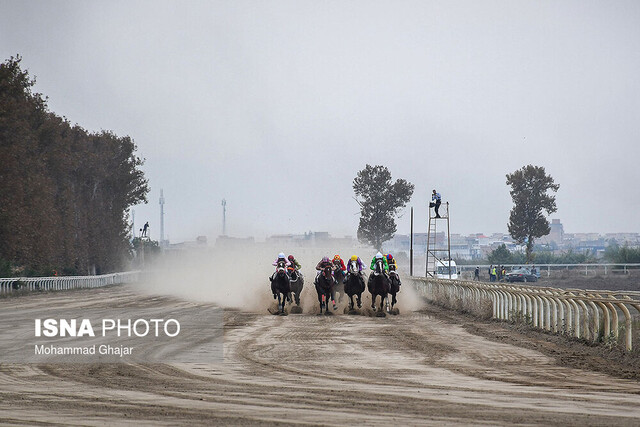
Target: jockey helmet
(354, 257)
(378, 255)
(280, 255)
(389, 257)
(325, 259)
(336, 257)
(290, 258)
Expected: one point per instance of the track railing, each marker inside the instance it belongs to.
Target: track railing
(549, 269)
(59, 283)
(591, 315)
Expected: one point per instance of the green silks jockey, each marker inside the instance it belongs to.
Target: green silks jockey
(377, 257)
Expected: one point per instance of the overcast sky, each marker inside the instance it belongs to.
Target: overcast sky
(275, 105)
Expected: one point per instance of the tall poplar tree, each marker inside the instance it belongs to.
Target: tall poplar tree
(380, 200)
(530, 191)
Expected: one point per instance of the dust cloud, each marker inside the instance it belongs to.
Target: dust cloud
(238, 277)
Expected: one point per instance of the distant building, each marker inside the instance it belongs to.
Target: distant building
(556, 235)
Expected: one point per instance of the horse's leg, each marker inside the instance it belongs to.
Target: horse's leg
(279, 303)
(333, 298)
(359, 299)
(381, 303)
(373, 302)
(297, 297)
(393, 299)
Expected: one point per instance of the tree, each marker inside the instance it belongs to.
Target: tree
(622, 254)
(530, 187)
(380, 200)
(500, 255)
(64, 192)
(145, 251)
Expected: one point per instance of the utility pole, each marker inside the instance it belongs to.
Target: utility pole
(411, 246)
(133, 223)
(224, 217)
(161, 218)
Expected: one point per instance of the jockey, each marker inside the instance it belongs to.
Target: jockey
(360, 265)
(293, 267)
(339, 263)
(294, 264)
(392, 262)
(281, 257)
(377, 257)
(393, 266)
(323, 263)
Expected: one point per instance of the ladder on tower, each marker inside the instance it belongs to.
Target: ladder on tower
(438, 255)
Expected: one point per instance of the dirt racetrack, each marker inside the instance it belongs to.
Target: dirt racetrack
(418, 368)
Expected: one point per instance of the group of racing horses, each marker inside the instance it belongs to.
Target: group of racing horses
(332, 279)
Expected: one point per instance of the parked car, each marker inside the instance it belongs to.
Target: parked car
(521, 275)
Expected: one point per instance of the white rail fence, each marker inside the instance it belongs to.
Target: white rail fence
(600, 316)
(59, 283)
(549, 269)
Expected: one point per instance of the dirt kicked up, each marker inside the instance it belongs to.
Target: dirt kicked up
(417, 368)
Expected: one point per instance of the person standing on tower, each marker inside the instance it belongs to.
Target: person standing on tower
(436, 200)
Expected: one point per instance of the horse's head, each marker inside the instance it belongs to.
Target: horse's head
(327, 272)
(281, 267)
(379, 267)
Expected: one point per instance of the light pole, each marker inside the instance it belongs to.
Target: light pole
(161, 218)
(224, 217)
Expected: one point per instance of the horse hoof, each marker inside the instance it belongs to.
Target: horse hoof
(381, 314)
(394, 311)
(284, 313)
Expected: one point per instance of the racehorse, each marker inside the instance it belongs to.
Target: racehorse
(394, 284)
(324, 286)
(378, 284)
(354, 285)
(296, 283)
(280, 285)
(338, 274)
